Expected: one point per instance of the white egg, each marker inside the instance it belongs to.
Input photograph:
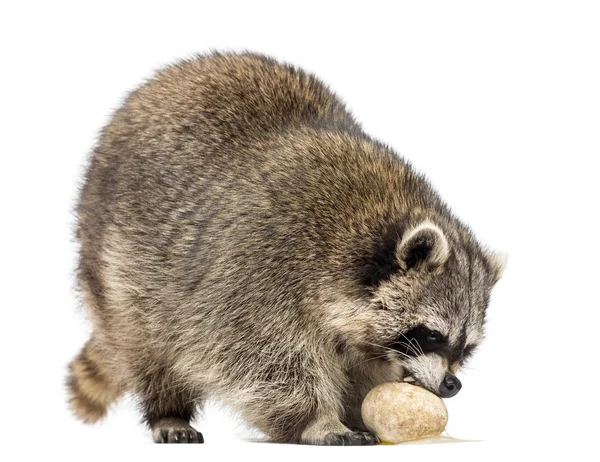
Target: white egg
(398, 412)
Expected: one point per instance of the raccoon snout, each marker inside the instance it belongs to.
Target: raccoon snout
(450, 386)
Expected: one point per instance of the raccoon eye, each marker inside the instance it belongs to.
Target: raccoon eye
(434, 337)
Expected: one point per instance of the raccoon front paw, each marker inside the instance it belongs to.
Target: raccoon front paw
(176, 434)
(350, 439)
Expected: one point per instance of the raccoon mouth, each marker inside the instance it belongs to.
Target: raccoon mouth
(409, 379)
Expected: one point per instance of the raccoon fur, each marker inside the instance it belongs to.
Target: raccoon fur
(241, 238)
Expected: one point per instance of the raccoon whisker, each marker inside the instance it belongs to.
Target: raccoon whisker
(410, 340)
(409, 348)
(413, 342)
(392, 350)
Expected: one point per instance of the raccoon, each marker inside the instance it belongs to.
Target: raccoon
(241, 238)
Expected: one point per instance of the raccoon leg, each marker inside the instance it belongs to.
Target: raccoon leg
(329, 431)
(352, 406)
(91, 387)
(327, 427)
(364, 378)
(169, 415)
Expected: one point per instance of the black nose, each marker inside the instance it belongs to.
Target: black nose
(449, 386)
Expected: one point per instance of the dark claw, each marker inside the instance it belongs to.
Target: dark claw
(351, 439)
(173, 436)
(183, 436)
(195, 437)
(164, 436)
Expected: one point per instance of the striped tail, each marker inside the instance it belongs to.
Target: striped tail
(91, 390)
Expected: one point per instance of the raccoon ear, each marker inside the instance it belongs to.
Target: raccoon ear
(497, 261)
(423, 245)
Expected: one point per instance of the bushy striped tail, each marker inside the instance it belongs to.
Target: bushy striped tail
(91, 390)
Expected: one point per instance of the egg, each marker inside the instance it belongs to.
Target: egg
(398, 412)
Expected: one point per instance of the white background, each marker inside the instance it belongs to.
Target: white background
(499, 104)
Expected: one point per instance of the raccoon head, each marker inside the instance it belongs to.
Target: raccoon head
(429, 293)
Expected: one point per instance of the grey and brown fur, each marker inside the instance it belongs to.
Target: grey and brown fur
(242, 238)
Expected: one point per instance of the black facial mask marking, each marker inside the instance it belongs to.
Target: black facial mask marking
(416, 342)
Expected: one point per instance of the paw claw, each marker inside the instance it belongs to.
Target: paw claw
(162, 436)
